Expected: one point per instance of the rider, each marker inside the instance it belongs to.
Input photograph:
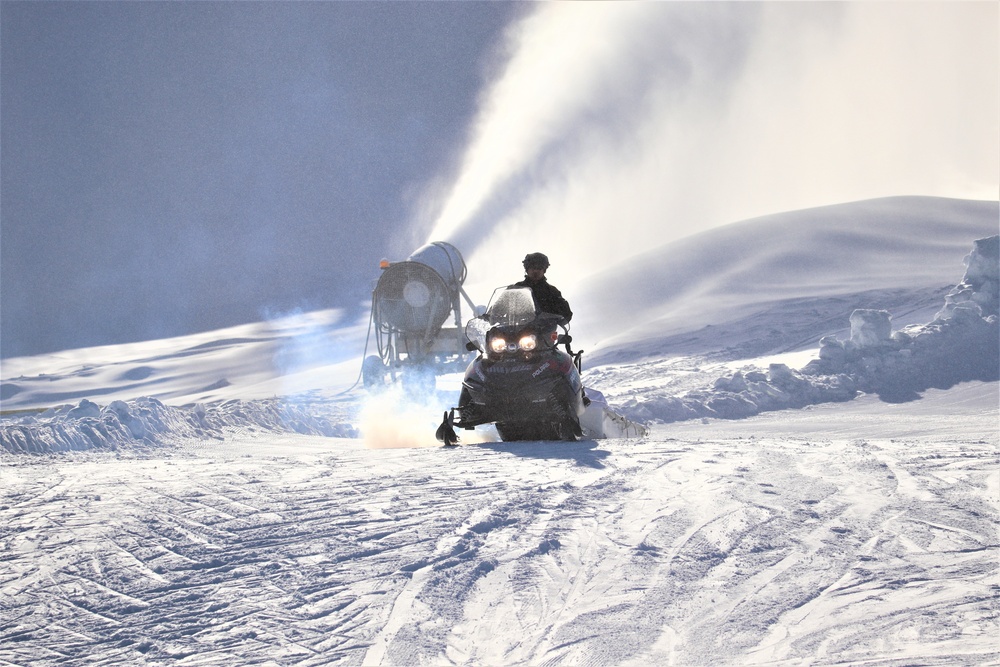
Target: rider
(547, 297)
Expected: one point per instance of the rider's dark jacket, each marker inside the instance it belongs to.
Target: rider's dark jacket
(547, 297)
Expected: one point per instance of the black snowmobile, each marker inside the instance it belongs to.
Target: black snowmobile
(521, 380)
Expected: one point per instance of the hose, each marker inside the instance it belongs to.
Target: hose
(364, 355)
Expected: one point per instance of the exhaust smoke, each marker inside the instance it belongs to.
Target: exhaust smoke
(398, 419)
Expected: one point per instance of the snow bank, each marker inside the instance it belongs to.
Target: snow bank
(962, 343)
(979, 287)
(147, 421)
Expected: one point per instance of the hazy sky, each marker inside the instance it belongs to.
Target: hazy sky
(179, 166)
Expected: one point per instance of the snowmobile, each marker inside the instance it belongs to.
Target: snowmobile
(521, 381)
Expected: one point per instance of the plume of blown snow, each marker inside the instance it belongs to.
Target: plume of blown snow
(618, 125)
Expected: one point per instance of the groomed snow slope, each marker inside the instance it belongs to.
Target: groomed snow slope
(728, 543)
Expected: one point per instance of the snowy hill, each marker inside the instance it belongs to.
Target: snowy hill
(819, 486)
(900, 252)
(769, 285)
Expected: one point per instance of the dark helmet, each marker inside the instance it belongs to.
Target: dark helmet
(535, 260)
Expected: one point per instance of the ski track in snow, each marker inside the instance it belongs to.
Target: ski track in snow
(298, 550)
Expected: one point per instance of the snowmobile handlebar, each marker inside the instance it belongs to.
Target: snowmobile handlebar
(566, 339)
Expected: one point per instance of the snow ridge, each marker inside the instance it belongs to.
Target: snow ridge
(960, 344)
(146, 421)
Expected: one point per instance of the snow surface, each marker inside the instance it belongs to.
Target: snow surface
(813, 490)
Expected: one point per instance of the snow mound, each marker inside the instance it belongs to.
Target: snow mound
(981, 284)
(960, 344)
(146, 421)
(734, 271)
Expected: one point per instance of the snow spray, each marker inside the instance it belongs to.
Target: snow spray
(396, 418)
(613, 128)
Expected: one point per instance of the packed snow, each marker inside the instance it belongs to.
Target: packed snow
(819, 484)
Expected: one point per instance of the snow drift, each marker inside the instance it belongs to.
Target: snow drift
(147, 421)
(962, 343)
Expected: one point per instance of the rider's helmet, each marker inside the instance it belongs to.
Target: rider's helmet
(535, 260)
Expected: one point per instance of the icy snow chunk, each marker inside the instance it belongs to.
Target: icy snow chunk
(736, 383)
(778, 373)
(968, 313)
(85, 409)
(870, 328)
(134, 425)
(980, 287)
(832, 349)
(983, 262)
(732, 406)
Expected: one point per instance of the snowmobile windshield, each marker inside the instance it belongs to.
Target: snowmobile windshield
(510, 307)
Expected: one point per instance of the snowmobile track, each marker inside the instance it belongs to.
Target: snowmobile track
(726, 551)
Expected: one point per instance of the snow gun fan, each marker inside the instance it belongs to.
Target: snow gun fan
(410, 307)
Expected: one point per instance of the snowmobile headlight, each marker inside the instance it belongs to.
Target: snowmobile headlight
(498, 345)
(528, 343)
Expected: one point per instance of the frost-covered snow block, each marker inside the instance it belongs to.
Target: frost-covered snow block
(85, 409)
(871, 328)
(831, 349)
(780, 373)
(983, 263)
(736, 383)
(732, 406)
(968, 313)
(121, 410)
(980, 287)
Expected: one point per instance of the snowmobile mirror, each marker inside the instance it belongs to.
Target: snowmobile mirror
(471, 347)
(564, 339)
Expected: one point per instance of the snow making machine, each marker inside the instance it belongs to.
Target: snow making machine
(410, 307)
